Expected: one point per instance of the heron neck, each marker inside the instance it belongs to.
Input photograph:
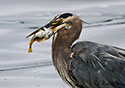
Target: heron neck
(60, 48)
(62, 42)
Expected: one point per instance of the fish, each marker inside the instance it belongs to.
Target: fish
(39, 35)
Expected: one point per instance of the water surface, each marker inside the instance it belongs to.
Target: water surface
(19, 69)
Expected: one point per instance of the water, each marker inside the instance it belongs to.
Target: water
(19, 69)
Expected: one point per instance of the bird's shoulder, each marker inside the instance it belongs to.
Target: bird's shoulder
(97, 64)
(87, 48)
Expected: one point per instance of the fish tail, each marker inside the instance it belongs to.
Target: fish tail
(30, 46)
(30, 49)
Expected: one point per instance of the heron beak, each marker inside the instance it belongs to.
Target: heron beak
(56, 24)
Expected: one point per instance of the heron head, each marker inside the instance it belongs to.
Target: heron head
(60, 21)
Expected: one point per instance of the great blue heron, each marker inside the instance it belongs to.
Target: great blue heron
(85, 64)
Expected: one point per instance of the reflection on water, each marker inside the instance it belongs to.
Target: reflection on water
(19, 69)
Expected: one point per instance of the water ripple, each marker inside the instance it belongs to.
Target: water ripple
(108, 22)
(27, 66)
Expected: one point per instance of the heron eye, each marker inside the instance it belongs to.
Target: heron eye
(54, 23)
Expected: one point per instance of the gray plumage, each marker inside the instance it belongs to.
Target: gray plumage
(97, 66)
